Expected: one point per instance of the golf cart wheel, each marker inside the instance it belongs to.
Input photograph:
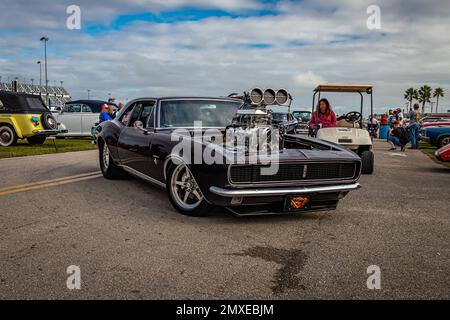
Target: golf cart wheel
(184, 192)
(36, 139)
(109, 169)
(367, 161)
(8, 136)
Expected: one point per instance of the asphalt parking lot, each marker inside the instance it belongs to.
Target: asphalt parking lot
(57, 211)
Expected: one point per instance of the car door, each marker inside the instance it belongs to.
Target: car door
(135, 142)
(70, 117)
(88, 119)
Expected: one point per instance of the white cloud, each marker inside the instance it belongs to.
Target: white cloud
(308, 79)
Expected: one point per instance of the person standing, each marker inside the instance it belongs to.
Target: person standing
(414, 125)
(119, 107)
(104, 115)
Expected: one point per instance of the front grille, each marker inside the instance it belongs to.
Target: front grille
(293, 172)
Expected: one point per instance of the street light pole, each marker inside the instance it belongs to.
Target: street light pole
(40, 73)
(89, 94)
(45, 39)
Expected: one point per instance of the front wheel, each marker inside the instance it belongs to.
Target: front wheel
(367, 161)
(184, 193)
(8, 136)
(36, 139)
(109, 169)
(444, 141)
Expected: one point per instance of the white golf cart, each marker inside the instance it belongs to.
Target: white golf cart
(349, 130)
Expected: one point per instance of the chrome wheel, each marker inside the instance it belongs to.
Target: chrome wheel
(445, 141)
(6, 136)
(105, 157)
(184, 188)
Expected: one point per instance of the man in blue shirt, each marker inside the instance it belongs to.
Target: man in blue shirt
(104, 115)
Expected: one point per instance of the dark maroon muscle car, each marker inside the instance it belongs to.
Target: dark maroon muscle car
(312, 174)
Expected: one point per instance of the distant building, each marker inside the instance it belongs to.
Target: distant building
(58, 95)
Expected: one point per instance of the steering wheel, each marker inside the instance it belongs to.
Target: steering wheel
(353, 117)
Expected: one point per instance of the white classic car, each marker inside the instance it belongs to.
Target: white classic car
(78, 117)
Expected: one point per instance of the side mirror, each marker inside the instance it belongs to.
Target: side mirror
(138, 124)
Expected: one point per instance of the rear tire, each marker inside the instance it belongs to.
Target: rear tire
(184, 193)
(368, 162)
(36, 139)
(109, 169)
(8, 136)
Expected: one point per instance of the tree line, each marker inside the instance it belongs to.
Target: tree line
(423, 95)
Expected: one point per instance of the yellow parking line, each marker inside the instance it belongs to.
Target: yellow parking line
(49, 183)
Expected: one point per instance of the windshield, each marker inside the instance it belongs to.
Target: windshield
(302, 115)
(183, 113)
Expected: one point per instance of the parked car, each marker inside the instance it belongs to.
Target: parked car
(303, 118)
(24, 116)
(437, 123)
(285, 120)
(78, 117)
(438, 136)
(443, 154)
(141, 141)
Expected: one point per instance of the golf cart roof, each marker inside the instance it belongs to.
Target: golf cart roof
(343, 88)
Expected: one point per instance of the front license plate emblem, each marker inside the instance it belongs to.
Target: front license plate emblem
(295, 203)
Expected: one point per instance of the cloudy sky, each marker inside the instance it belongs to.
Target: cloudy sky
(215, 47)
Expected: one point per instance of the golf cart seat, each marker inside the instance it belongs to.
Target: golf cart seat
(342, 123)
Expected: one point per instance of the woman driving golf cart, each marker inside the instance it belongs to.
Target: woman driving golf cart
(324, 116)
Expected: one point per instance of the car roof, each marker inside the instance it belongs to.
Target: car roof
(343, 87)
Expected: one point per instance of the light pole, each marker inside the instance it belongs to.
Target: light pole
(89, 94)
(40, 73)
(32, 81)
(61, 83)
(45, 39)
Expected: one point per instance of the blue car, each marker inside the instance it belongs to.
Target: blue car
(438, 136)
(285, 120)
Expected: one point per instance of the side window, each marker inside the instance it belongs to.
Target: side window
(127, 115)
(86, 108)
(72, 108)
(2, 107)
(147, 114)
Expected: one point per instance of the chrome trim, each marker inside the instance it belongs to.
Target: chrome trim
(249, 184)
(281, 191)
(49, 131)
(143, 176)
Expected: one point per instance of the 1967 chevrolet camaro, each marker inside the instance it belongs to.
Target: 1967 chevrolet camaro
(309, 174)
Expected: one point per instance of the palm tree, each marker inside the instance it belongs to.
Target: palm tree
(410, 95)
(424, 96)
(438, 92)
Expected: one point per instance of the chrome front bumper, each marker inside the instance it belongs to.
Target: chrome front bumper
(262, 192)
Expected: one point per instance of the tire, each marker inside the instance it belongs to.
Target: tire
(36, 139)
(184, 193)
(109, 169)
(367, 161)
(8, 136)
(443, 141)
(49, 121)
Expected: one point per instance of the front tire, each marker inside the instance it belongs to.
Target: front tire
(36, 139)
(109, 169)
(8, 136)
(444, 141)
(368, 162)
(184, 193)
